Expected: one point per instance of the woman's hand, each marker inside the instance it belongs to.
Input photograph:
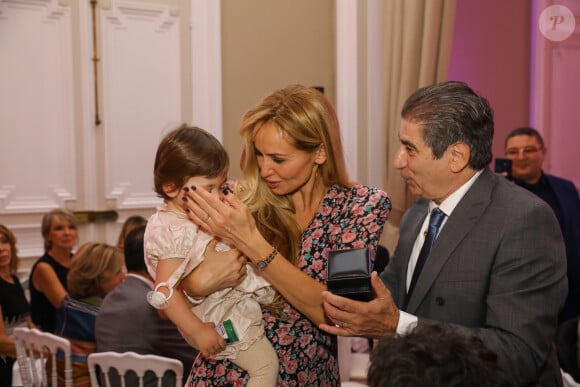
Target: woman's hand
(219, 270)
(230, 219)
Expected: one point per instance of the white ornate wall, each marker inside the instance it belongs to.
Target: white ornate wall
(53, 152)
(141, 95)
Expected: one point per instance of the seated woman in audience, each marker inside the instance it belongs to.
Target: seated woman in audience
(130, 223)
(14, 308)
(95, 270)
(48, 275)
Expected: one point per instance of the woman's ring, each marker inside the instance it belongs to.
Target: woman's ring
(206, 218)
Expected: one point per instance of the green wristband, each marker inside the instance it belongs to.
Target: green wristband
(227, 331)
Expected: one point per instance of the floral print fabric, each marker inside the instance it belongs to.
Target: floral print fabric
(349, 217)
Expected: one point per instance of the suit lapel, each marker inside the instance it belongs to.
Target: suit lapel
(464, 217)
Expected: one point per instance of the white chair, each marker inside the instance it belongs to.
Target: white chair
(33, 349)
(131, 361)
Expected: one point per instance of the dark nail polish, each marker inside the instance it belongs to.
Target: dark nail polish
(186, 189)
(193, 187)
(187, 210)
(184, 199)
(227, 190)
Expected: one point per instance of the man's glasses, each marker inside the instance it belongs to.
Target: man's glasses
(527, 151)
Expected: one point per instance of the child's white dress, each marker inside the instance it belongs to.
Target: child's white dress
(170, 234)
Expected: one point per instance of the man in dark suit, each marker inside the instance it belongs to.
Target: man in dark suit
(497, 268)
(526, 148)
(126, 321)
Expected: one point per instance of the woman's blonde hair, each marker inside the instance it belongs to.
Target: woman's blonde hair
(9, 235)
(308, 121)
(88, 267)
(47, 219)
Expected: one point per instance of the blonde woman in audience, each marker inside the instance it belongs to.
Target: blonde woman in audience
(131, 223)
(48, 275)
(97, 268)
(14, 308)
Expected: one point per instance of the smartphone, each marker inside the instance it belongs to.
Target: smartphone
(503, 165)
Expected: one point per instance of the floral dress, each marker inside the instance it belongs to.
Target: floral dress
(349, 217)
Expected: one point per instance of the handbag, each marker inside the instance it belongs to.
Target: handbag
(349, 273)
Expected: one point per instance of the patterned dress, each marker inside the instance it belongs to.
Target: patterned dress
(15, 310)
(349, 217)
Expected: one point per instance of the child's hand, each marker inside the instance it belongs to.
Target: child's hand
(208, 341)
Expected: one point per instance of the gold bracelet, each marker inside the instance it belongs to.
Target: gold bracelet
(261, 265)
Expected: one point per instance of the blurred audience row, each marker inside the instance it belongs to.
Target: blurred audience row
(87, 297)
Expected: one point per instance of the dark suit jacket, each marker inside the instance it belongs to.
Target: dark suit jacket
(497, 270)
(126, 322)
(567, 195)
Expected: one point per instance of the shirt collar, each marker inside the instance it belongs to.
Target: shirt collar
(149, 283)
(449, 204)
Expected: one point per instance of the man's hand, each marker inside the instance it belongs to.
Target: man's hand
(373, 319)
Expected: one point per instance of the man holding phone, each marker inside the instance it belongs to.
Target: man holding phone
(527, 151)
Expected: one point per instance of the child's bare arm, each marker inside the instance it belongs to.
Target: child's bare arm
(202, 335)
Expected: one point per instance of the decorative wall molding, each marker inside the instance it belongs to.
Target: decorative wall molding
(40, 115)
(30, 246)
(52, 10)
(141, 68)
(53, 197)
(127, 198)
(120, 13)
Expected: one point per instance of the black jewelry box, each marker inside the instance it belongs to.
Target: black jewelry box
(349, 273)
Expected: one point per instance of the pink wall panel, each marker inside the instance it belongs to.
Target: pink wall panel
(491, 53)
(557, 94)
(528, 79)
(564, 118)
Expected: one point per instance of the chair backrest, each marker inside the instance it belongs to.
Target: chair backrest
(131, 361)
(33, 349)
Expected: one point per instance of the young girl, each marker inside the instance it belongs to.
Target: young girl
(186, 157)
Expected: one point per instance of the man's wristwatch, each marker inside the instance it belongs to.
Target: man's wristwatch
(261, 265)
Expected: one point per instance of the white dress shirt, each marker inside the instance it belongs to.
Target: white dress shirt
(407, 320)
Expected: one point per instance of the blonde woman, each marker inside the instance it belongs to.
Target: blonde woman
(296, 205)
(48, 275)
(95, 270)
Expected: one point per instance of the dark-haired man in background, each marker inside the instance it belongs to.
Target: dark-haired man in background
(126, 321)
(526, 148)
